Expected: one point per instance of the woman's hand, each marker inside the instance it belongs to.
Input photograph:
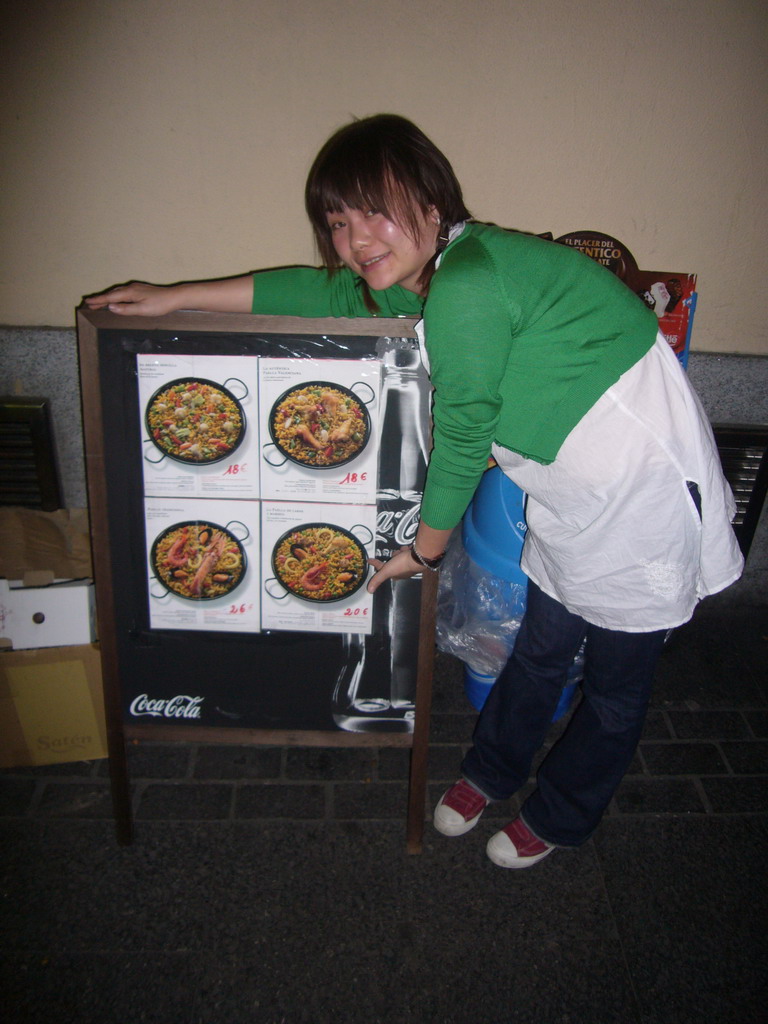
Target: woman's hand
(399, 567)
(430, 543)
(137, 299)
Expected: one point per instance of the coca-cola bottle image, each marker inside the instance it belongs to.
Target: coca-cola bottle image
(376, 689)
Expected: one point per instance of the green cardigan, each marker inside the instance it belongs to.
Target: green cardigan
(523, 337)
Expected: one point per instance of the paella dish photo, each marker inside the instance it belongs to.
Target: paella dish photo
(198, 561)
(320, 424)
(319, 562)
(195, 421)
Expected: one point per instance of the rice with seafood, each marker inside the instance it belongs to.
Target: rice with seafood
(320, 563)
(195, 421)
(319, 425)
(198, 561)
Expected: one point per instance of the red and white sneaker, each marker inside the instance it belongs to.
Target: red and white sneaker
(459, 809)
(517, 847)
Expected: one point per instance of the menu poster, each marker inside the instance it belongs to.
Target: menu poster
(199, 425)
(319, 429)
(315, 566)
(203, 564)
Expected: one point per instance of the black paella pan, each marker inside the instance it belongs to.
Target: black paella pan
(319, 424)
(196, 421)
(319, 563)
(199, 560)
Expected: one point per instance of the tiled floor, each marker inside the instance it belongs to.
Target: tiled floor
(271, 885)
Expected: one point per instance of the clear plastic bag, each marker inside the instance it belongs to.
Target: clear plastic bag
(478, 614)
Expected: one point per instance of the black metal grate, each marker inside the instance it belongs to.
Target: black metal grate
(28, 472)
(743, 452)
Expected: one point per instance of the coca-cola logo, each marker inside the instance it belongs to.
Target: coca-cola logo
(398, 525)
(180, 706)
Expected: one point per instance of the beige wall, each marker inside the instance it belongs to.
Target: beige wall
(170, 140)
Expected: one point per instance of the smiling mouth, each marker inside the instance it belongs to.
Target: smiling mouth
(365, 264)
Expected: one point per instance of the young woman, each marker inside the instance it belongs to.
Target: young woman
(548, 362)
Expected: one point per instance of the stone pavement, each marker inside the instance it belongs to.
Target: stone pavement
(271, 884)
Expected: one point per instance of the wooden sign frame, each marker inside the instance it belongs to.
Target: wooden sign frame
(95, 329)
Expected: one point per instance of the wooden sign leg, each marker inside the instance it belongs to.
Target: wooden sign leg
(102, 570)
(420, 747)
(121, 792)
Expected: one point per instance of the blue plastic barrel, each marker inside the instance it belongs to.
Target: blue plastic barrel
(493, 533)
(493, 529)
(477, 687)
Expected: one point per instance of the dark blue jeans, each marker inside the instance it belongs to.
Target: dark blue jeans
(580, 774)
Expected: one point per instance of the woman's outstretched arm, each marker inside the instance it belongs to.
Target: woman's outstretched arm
(227, 295)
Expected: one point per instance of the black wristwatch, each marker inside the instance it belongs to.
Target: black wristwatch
(433, 564)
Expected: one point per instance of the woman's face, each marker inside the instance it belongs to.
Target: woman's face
(379, 250)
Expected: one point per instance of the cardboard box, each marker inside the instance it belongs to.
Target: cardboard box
(58, 542)
(46, 593)
(51, 706)
(54, 615)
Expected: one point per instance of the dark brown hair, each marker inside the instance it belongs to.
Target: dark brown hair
(382, 163)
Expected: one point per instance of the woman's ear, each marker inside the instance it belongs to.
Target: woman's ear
(434, 215)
